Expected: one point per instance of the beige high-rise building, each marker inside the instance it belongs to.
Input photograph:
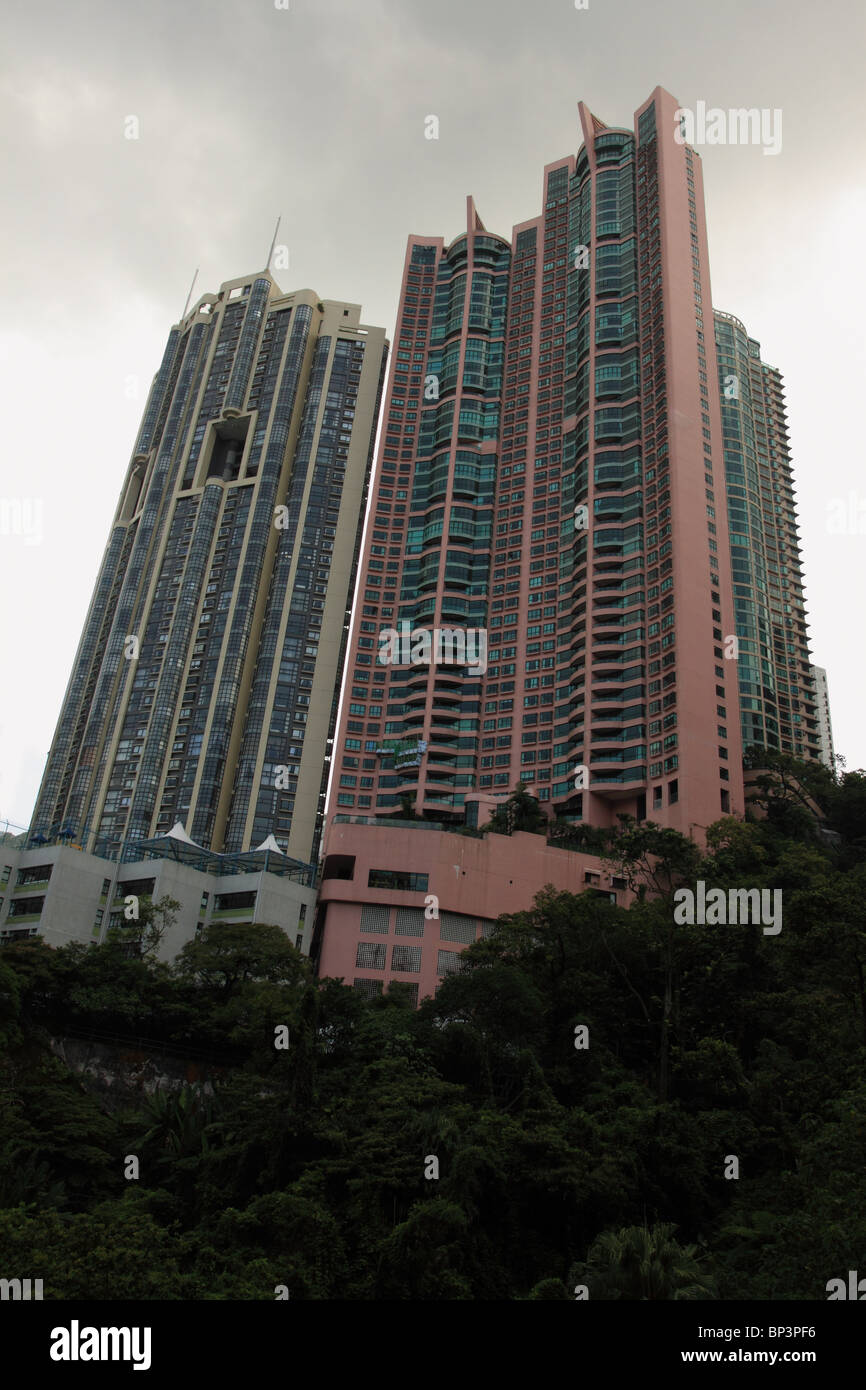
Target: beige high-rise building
(206, 682)
(825, 727)
(777, 695)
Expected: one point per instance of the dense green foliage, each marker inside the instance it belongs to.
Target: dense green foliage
(558, 1165)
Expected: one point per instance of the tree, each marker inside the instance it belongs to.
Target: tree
(794, 794)
(146, 933)
(653, 857)
(297, 1233)
(10, 1007)
(643, 1263)
(847, 813)
(585, 839)
(522, 811)
(56, 1145)
(231, 955)
(656, 857)
(581, 1082)
(178, 1122)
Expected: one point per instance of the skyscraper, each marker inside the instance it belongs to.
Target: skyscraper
(551, 473)
(206, 682)
(551, 480)
(825, 726)
(778, 700)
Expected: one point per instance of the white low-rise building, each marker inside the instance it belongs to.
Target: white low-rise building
(62, 893)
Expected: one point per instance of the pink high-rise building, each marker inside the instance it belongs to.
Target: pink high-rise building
(548, 520)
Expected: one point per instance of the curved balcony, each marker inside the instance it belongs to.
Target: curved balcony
(607, 684)
(626, 776)
(600, 740)
(440, 779)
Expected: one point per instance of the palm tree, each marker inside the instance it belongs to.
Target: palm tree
(407, 806)
(521, 811)
(643, 1263)
(178, 1121)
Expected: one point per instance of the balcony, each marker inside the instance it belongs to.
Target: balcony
(386, 821)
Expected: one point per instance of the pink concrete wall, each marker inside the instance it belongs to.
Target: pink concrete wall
(470, 876)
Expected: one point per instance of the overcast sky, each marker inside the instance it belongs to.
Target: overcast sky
(317, 113)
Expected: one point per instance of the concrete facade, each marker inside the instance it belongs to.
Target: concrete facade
(551, 472)
(79, 897)
(370, 935)
(550, 475)
(778, 700)
(207, 679)
(825, 726)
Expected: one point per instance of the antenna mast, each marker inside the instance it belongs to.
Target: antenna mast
(273, 244)
(189, 296)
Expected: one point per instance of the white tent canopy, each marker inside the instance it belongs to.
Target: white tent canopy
(270, 844)
(178, 832)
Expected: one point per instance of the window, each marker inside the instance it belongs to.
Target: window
(406, 959)
(447, 962)
(375, 919)
(370, 955)
(455, 927)
(234, 902)
(39, 873)
(25, 907)
(407, 991)
(402, 881)
(137, 887)
(368, 989)
(410, 921)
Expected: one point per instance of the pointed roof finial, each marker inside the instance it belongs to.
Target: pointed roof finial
(473, 221)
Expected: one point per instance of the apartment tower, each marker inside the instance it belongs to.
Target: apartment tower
(778, 697)
(825, 726)
(206, 682)
(551, 473)
(550, 478)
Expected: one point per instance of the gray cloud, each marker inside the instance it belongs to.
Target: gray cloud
(317, 114)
